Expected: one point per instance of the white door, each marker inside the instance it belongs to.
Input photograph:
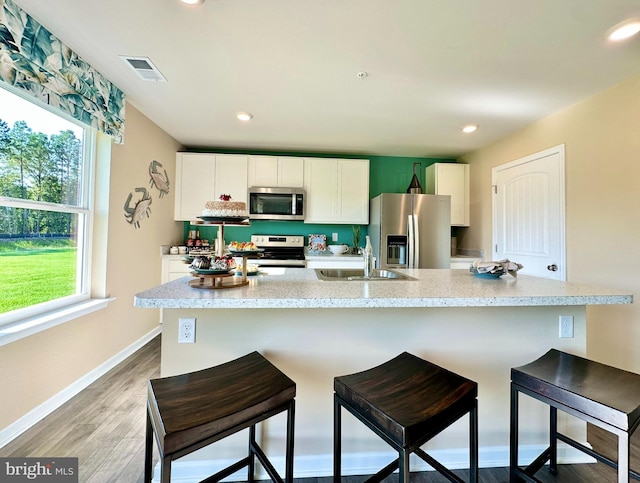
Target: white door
(528, 213)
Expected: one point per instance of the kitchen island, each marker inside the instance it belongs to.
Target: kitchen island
(315, 330)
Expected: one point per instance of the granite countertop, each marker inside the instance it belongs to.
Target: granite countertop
(300, 288)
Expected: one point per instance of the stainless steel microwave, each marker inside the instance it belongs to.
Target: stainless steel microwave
(276, 203)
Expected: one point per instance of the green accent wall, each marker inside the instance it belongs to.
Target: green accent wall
(387, 174)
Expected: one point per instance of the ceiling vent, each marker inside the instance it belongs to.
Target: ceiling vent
(144, 68)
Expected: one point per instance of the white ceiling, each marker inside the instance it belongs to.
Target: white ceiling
(433, 65)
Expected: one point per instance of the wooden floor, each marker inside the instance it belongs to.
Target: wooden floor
(104, 427)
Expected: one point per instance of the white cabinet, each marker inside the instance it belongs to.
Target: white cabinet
(201, 177)
(276, 171)
(174, 268)
(230, 177)
(451, 179)
(337, 190)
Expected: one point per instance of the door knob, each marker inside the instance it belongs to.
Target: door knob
(552, 268)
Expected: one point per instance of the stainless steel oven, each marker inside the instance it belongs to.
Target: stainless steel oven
(279, 250)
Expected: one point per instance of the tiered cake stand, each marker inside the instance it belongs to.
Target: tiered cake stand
(217, 280)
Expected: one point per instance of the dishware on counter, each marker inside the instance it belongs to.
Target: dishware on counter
(338, 249)
(182, 250)
(173, 251)
(493, 269)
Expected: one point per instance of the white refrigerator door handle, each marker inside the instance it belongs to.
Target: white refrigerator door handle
(410, 241)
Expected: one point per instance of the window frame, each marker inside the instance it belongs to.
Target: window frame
(25, 321)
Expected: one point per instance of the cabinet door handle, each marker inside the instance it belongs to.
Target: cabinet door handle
(552, 268)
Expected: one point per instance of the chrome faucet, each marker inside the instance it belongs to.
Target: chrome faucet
(368, 258)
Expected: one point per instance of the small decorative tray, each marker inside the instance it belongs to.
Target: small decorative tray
(211, 271)
(249, 274)
(486, 274)
(250, 268)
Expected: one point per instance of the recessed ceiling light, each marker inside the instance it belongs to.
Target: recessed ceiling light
(624, 30)
(192, 2)
(244, 116)
(469, 129)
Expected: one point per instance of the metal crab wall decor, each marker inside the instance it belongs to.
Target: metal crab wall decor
(141, 208)
(159, 180)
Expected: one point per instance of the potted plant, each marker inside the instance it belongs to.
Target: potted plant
(355, 230)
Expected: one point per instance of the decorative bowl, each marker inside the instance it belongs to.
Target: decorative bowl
(494, 275)
(338, 249)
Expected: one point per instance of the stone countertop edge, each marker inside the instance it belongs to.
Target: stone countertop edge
(300, 288)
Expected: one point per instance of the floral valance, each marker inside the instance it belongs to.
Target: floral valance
(34, 60)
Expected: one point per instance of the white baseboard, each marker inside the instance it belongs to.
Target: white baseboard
(321, 465)
(18, 427)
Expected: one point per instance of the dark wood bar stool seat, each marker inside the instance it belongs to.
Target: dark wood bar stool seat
(189, 411)
(599, 394)
(406, 402)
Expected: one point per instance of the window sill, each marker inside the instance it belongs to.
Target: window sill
(24, 328)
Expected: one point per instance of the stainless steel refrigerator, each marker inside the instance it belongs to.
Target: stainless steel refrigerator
(410, 230)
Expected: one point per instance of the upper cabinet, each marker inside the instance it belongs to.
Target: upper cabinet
(451, 179)
(276, 171)
(201, 177)
(337, 190)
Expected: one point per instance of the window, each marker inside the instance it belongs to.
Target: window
(46, 166)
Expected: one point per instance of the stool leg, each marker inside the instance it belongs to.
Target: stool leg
(473, 443)
(148, 451)
(623, 458)
(553, 439)
(165, 470)
(252, 455)
(513, 439)
(290, 438)
(337, 443)
(403, 466)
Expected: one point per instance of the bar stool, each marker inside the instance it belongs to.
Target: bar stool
(406, 402)
(599, 394)
(189, 411)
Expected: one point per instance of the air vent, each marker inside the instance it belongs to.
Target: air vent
(144, 68)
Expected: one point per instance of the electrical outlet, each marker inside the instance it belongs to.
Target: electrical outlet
(186, 330)
(566, 326)
(334, 237)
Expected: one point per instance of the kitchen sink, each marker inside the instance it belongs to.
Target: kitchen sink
(341, 275)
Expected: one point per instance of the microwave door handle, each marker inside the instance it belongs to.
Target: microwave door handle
(293, 205)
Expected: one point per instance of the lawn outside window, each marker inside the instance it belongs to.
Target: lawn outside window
(46, 214)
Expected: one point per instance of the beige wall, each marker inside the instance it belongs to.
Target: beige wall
(602, 169)
(36, 368)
